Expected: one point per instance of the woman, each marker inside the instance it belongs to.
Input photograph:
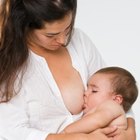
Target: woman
(44, 67)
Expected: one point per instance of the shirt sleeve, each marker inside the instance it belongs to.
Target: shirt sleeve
(14, 125)
(92, 56)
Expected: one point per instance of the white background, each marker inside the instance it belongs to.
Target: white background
(114, 27)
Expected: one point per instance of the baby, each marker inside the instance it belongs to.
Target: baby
(110, 94)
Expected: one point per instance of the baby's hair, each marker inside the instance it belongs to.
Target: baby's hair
(123, 83)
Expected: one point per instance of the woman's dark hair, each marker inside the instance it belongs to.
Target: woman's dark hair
(123, 83)
(17, 19)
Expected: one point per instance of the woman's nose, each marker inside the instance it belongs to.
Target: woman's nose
(61, 39)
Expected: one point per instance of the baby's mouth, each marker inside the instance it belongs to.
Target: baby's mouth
(84, 106)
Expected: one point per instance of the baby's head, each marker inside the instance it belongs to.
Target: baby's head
(111, 83)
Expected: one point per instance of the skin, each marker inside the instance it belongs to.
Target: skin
(128, 134)
(99, 90)
(100, 97)
(100, 100)
(52, 37)
(49, 43)
(96, 135)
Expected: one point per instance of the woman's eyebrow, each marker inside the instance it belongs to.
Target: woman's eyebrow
(59, 32)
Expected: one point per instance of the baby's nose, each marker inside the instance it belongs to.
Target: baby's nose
(86, 93)
(85, 96)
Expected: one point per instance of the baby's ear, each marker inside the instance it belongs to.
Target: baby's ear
(118, 98)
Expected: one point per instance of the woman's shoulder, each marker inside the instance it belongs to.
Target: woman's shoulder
(78, 33)
(80, 38)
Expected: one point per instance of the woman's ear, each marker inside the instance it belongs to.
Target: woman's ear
(118, 98)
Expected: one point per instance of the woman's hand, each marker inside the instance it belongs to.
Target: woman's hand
(128, 134)
(103, 134)
(119, 134)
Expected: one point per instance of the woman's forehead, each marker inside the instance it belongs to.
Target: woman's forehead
(58, 25)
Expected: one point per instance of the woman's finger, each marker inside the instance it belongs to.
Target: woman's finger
(109, 130)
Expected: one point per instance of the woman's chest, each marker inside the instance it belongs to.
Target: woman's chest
(58, 81)
(69, 83)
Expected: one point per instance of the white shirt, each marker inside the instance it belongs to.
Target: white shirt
(38, 109)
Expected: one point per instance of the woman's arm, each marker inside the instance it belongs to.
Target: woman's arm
(129, 134)
(100, 134)
(131, 129)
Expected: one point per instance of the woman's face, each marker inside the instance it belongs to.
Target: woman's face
(53, 36)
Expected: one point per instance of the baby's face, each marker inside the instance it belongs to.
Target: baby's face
(98, 90)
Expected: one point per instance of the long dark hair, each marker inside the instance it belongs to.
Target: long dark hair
(17, 19)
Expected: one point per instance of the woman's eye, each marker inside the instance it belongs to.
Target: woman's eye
(49, 36)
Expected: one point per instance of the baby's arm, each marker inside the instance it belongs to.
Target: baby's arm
(101, 117)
